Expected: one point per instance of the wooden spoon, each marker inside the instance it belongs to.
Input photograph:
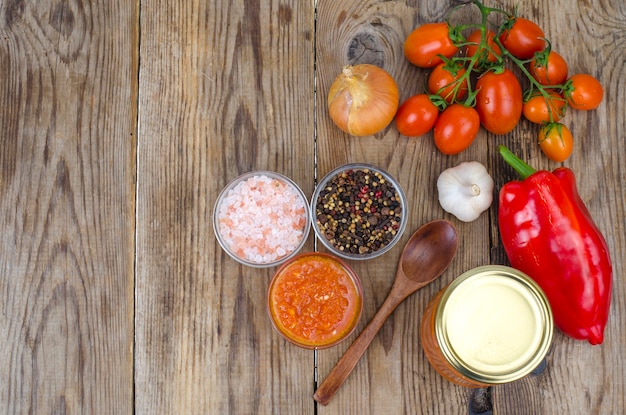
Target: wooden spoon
(425, 257)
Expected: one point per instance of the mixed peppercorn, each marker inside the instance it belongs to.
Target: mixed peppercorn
(358, 211)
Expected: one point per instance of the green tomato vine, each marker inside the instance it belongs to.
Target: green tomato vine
(479, 63)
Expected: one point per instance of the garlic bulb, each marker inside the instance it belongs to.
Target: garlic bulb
(465, 190)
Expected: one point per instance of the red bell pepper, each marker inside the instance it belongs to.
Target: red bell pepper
(548, 233)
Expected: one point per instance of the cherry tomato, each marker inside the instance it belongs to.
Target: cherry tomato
(556, 142)
(499, 101)
(583, 92)
(416, 116)
(538, 108)
(549, 69)
(424, 43)
(443, 81)
(456, 128)
(523, 38)
(488, 54)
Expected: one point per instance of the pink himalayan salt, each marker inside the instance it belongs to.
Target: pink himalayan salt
(262, 219)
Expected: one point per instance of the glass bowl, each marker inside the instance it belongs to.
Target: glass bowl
(315, 300)
(358, 211)
(261, 219)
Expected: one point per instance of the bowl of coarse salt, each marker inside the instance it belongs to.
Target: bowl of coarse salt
(261, 219)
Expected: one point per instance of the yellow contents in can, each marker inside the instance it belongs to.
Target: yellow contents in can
(492, 325)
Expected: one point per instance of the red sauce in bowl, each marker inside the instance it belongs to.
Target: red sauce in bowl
(315, 300)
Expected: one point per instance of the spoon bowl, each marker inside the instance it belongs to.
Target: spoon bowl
(428, 252)
(425, 257)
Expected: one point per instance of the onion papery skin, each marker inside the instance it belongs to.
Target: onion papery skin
(363, 99)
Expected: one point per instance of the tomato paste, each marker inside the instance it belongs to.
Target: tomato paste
(315, 300)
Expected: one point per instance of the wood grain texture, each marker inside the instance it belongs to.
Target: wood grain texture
(67, 121)
(225, 88)
(394, 377)
(121, 122)
(581, 378)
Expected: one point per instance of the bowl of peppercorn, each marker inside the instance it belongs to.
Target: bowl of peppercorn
(358, 211)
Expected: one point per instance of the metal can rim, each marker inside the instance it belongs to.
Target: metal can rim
(544, 311)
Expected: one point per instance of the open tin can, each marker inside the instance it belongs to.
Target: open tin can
(491, 325)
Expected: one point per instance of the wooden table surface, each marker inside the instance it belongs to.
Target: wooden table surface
(121, 121)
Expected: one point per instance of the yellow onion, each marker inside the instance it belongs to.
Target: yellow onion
(363, 99)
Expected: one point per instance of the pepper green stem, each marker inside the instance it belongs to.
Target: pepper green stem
(519, 165)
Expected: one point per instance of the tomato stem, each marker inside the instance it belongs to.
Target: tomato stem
(485, 11)
(483, 48)
(479, 62)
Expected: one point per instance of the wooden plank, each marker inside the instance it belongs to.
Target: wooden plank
(393, 376)
(225, 88)
(580, 378)
(67, 164)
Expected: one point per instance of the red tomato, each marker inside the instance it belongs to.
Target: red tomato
(424, 43)
(443, 81)
(549, 69)
(523, 38)
(583, 92)
(540, 110)
(456, 129)
(556, 142)
(416, 116)
(499, 101)
(488, 54)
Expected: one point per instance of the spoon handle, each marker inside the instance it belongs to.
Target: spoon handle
(351, 357)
